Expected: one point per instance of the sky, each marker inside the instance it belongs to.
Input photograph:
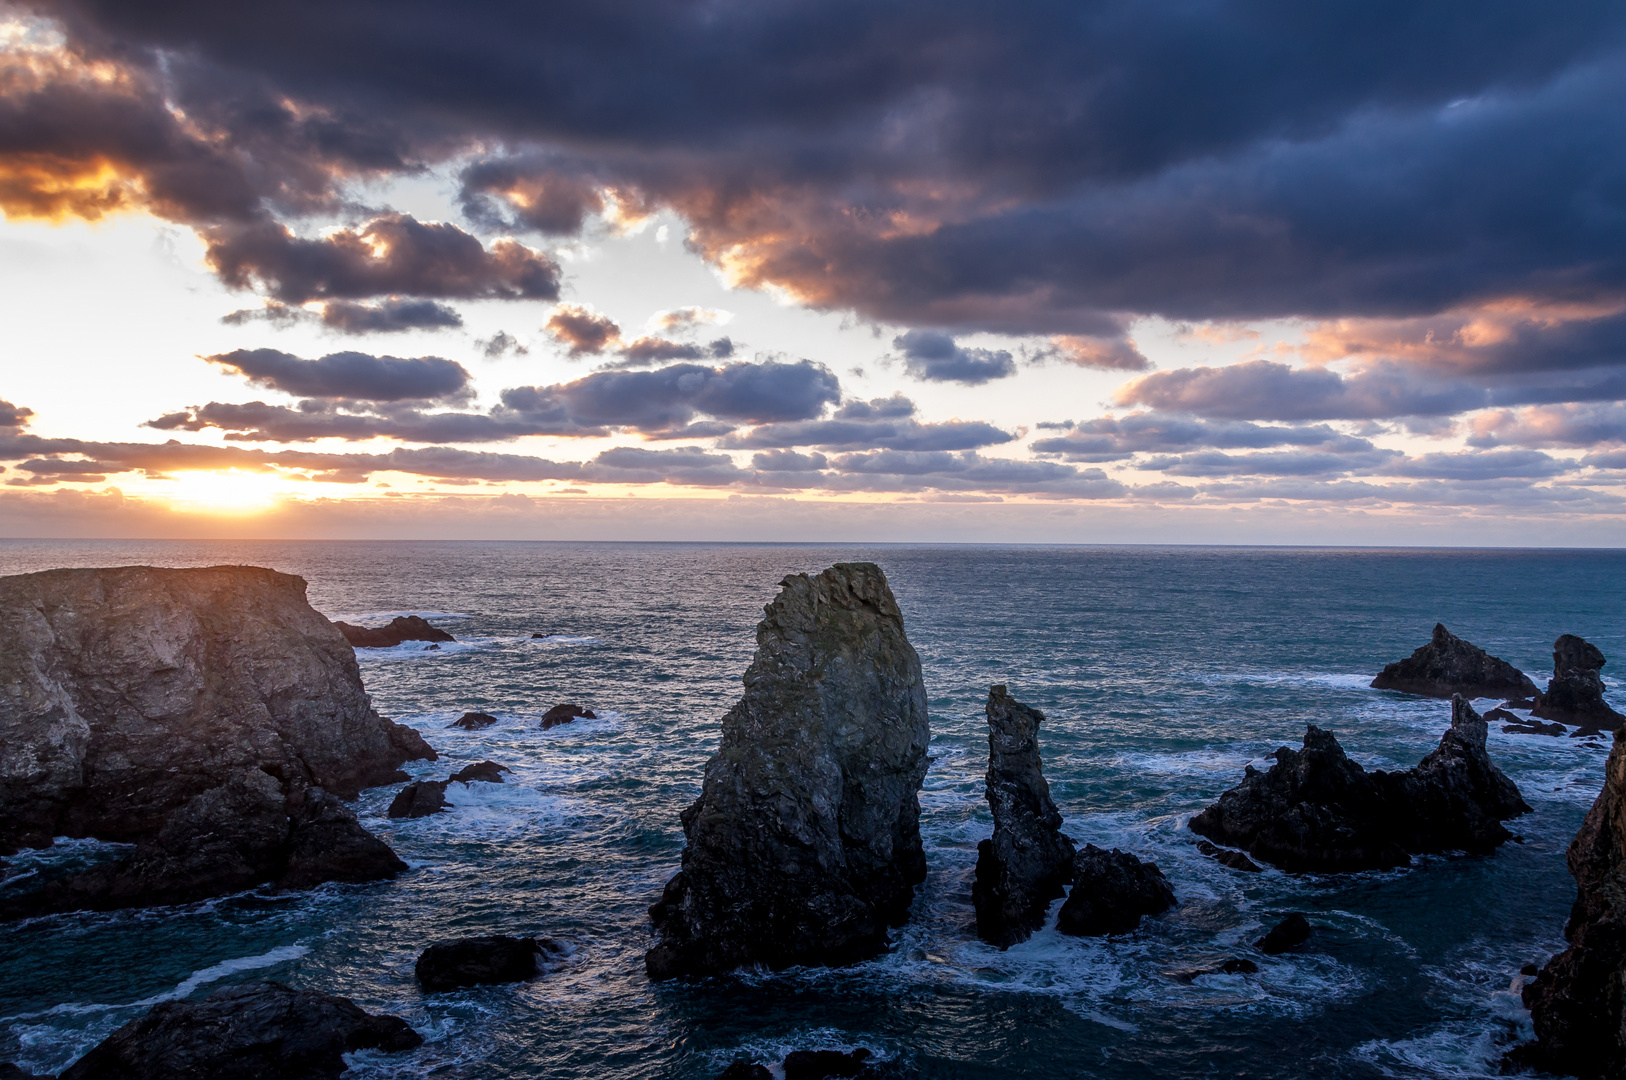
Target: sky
(1149, 272)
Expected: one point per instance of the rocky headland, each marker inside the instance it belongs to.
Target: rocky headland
(256, 1031)
(1575, 692)
(1449, 665)
(399, 629)
(1027, 863)
(210, 716)
(804, 845)
(1317, 811)
(1578, 1001)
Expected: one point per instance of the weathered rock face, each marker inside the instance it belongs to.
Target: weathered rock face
(420, 799)
(564, 714)
(1448, 665)
(1112, 891)
(1234, 859)
(257, 1031)
(1290, 933)
(804, 845)
(399, 629)
(486, 772)
(125, 693)
(1578, 1002)
(473, 721)
(482, 961)
(1028, 862)
(1316, 810)
(1575, 692)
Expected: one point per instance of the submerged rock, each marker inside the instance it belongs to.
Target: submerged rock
(1290, 933)
(480, 961)
(1232, 966)
(1575, 692)
(564, 714)
(257, 1031)
(420, 799)
(1578, 1001)
(1316, 810)
(1225, 857)
(1449, 665)
(473, 721)
(1112, 890)
(485, 772)
(1521, 726)
(1028, 862)
(804, 845)
(401, 628)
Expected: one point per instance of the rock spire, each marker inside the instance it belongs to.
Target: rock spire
(1449, 665)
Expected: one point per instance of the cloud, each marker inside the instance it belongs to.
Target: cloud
(678, 320)
(501, 344)
(669, 397)
(1110, 438)
(934, 357)
(879, 423)
(1272, 463)
(1267, 390)
(1106, 353)
(391, 255)
(1482, 465)
(1568, 425)
(535, 192)
(350, 375)
(586, 331)
(391, 316)
(13, 417)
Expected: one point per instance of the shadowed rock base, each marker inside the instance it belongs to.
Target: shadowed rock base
(258, 1031)
(1028, 862)
(401, 628)
(804, 846)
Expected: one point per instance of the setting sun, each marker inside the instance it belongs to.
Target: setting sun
(228, 492)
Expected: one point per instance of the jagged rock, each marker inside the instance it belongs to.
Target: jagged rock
(1519, 703)
(804, 845)
(1316, 810)
(473, 721)
(1575, 692)
(535, 637)
(420, 799)
(826, 1064)
(1112, 890)
(1449, 665)
(1225, 857)
(740, 1070)
(480, 961)
(240, 835)
(487, 772)
(1578, 1002)
(257, 1031)
(564, 714)
(1028, 862)
(401, 628)
(125, 693)
(1531, 727)
(1291, 932)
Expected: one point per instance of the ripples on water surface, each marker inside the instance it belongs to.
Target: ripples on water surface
(1162, 673)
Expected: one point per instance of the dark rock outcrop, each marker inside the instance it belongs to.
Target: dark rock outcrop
(1225, 857)
(420, 799)
(1531, 727)
(564, 714)
(240, 835)
(473, 721)
(739, 1070)
(399, 629)
(1028, 862)
(1290, 933)
(1112, 891)
(257, 1031)
(1232, 966)
(1575, 692)
(1519, 703)
(485, 772)
(8, 1071)
(1448, 665)
(804, 845)
(826, 1064)
(126, 693)
(482, 961)
(1578, 1002)
(1316, 810)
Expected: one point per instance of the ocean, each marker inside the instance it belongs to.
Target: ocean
(1162, 673)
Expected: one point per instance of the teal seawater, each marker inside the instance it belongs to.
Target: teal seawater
(1162, 673)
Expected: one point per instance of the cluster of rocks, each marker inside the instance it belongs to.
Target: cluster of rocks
(209, 716)
(1316, 810)
(400, 629)
(559, 714)
(424, 797)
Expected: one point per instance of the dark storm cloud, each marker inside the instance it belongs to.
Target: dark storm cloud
(350, 375)
(392, 254)
(934, 357)
(391, 316)
(536, 193)
(1110, 438)
(881, 423)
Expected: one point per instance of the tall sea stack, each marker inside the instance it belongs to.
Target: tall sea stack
(209, 715)
(804, 845)
(1575, 692)
(1578, 1002)
(1027, 862)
